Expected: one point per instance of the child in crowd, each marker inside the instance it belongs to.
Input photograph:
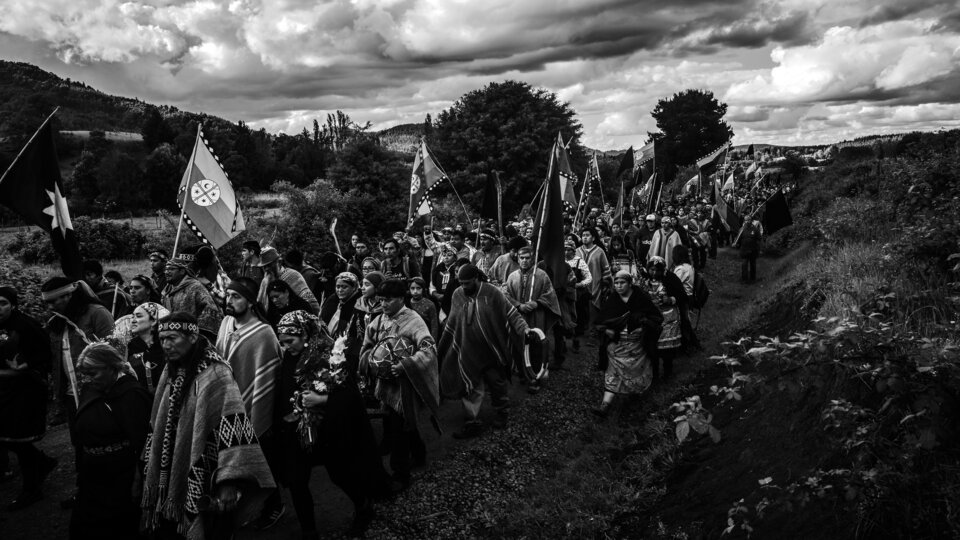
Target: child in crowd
(424, 306)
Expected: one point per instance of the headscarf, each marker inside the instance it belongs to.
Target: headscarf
(316, 337)
(375, 278)
(155, 310)
(376, 263)
(348, 277)
(623, 274)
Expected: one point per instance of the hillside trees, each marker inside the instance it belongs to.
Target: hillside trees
(691, 126)
(510, 127)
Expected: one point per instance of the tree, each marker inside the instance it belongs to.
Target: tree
(509, 127)
(163, 169)
(691, 126)
(155, 130)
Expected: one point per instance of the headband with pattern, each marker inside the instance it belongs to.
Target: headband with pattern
(178, 326)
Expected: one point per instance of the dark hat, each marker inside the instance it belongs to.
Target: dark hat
(268, 256)
(251, 245)
(516, 243)
(468, 271)
(392, 288)
(183, 260)
(487, 233)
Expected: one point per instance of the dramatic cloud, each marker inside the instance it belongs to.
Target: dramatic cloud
(789, 69)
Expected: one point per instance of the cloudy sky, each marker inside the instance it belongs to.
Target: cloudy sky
(791, 71)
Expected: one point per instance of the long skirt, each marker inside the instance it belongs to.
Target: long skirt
(629, 370)
(670, 336)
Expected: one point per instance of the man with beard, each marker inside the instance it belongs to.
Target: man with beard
(250, 261)
(273, 269)
(205, 471)
(475, 349)
(507, 263)
(484, 257)
(185, 293)
(530, 290)
(251, 348)
(361, 252)
(113, 297)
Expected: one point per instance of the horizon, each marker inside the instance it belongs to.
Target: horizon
(793, 72)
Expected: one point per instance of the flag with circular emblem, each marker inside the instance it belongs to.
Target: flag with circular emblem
(425, 176)
(206, 197)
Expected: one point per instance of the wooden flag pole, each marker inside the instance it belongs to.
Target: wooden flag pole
(186, 193)
(503, 247)
(32, 137)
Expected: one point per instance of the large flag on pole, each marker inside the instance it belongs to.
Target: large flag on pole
(548, 234)
(32, 188)
(567, 179)
(776, 213)
(491, 198)
(424, 178)
(723, 215)
(206, 197)
(709, 164)
(591, 179)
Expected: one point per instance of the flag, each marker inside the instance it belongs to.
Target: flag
(750, 150)
(751, 169)
(709, 164)
(548, 234)
(617, 216)
(424, 178)
(691, 184)
(207, 199)
(626, 163)
(729, 183)
(654, 166)
(723, 215)
(776, 213)
(491, 198)
(591, 178)
(32, 188)
(567, 178)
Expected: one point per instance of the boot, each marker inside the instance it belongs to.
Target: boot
(469, 430)
(602, 411)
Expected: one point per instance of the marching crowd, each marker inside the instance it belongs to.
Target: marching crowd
(192, 397)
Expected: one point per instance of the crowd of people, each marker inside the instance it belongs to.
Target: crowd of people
(192, 397)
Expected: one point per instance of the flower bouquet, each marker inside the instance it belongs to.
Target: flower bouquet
(321, 374)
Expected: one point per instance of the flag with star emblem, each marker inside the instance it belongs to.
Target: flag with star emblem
(425, 176)
(32, 188)
(206, 197)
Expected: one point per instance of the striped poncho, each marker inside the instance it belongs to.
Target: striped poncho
(252, 350)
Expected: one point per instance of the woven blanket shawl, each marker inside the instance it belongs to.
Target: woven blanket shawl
(253, 353)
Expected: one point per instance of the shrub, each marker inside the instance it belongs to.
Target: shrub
(99, 239)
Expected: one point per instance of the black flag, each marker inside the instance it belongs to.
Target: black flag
(32, 188)
(491, 198)
(776, 213)
(548, 234)
(626, 163)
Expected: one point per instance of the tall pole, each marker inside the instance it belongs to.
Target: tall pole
(186, 191)
(32, 137)
(496, 175)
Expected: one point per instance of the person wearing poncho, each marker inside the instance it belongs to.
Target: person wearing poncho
(599, 266)
(251, 348)
(184, 293)
(400, 353)
(530, 290)
(631, 323)
(205, 471)
(475, 348)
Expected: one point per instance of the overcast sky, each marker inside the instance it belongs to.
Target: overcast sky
(792, 71)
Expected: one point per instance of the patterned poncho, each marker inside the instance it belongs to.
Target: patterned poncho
(419, 387)
(201, 437)
(253, 352)
(482, 332)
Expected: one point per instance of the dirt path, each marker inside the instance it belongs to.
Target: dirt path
(493, 486)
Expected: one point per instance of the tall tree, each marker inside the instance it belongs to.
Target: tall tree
(509, 127)
(691, 125)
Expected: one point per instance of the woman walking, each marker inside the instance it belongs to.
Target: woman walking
(111, 429)
(143, 351)
(667, 293)
(324, 422)
(628, 320)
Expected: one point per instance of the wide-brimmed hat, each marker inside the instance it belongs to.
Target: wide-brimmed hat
(268, 256)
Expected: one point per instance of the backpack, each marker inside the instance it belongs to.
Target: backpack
(700, 292)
